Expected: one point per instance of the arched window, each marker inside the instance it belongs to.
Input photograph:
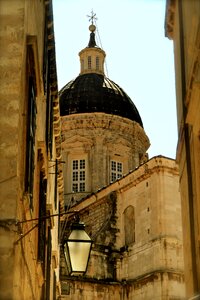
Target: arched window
(82, 65)
(97, 63)
(129, 225)
(89, 62)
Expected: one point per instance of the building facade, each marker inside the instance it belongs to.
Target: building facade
(183, 27)
(135, 225)
(130, 205)
(31, 176)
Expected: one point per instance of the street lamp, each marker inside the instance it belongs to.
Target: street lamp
(77, 249)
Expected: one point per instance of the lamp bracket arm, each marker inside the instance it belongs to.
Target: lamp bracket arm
(23, 235)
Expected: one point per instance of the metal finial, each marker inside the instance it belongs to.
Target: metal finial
(92, 17)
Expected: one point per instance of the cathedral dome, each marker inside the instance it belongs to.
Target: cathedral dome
(92, 92)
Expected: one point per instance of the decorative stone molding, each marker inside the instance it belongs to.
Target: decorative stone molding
(169, 18)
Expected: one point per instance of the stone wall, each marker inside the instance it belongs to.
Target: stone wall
(22, 38)
(150, 263)
(101, 138)
(183, 27)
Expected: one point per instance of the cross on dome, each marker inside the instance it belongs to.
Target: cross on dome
(92, 17)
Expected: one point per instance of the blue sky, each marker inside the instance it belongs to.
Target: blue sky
(139, 58)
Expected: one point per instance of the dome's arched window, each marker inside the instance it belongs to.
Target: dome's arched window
(97, 63)
(82, 65)
(89, 62)
(129, 225)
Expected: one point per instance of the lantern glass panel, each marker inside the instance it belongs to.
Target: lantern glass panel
(79, 247)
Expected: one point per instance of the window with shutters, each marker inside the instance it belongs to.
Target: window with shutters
(49, 107)
(31, 127)
(42, 221)
(48, 56)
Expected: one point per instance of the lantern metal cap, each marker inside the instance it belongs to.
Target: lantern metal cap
(77, 224)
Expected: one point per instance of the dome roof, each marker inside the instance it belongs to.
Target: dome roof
(94, 92)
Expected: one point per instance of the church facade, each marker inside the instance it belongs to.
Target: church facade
(130, 204)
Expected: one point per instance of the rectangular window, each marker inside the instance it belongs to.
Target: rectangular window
(75, 176)
(116, 170)
(113, 165)
(75, 164)
(49, 107)
(31, 130)
(78, 175)
(42, 222)
(113, 176)
(119, 167)
(82, 186)
(89, 62)
(75, 187)
(82, 175)
(82, 164)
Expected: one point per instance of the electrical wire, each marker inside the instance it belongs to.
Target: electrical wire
(99, 39)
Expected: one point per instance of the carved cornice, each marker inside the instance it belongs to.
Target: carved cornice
(170, 18)
(96, 122)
